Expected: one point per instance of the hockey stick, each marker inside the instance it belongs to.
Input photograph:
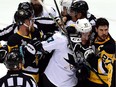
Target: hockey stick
(87, 64)
(66, 34)
(63, 30)
(59, 13)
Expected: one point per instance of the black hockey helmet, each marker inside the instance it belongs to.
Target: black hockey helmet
(79, 6)
(13, 59)
(71, 29)
(73, 33)
(21, 15)
(26, 6)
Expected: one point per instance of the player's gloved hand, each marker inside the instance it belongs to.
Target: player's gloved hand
(3, 53)
(88, 53)
(29, 48)
(36, 44)
(77, 47)
(33, 46)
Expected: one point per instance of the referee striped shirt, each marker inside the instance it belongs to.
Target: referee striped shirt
(17, 79)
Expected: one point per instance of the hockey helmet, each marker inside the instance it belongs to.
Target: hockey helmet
(73, 33)
(83, 25)
(21, 15)
(71, 29)
(79, 6)
(13, 59)
(66, 3)
(26, 6)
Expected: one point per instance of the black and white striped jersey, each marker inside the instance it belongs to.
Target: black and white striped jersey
(7, 31)
(17, 79)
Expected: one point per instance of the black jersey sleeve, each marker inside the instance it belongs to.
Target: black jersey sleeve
(6, 32)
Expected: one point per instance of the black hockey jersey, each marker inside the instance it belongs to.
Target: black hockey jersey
(16, 40)
(103, 62)
(6, 32)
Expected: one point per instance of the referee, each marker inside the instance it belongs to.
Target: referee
(14, 77)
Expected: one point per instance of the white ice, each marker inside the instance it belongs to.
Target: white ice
(100, 8)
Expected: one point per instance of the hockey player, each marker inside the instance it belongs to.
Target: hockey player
(65, 7)
(11, 29)
(37, 7)
(83, 49)
(78, 10)
(60, 72)
(105, 50)
(24, 35)
(14, 77)
(46, 24)
(43, 19)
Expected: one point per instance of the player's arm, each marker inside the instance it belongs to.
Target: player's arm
(6, 32)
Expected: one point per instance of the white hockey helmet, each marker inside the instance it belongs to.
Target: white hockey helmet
(83, 25)
(66, 3)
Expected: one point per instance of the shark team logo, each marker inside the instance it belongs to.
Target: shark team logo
(71, 61)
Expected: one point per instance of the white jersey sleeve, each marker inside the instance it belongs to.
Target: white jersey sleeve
(54, 42)
(46, 18)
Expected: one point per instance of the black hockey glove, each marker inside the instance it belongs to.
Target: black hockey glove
(28, 49)
(77, 47)
(3, 53)
(83, 53)
(36, 44)
(34, 47)
(28, 52)
(88, 53)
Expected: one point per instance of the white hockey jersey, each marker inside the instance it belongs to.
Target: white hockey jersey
(59, 71)
(45, 18)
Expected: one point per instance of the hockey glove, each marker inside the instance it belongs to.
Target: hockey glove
(87, 53)
(28, 52)
(77, 47)
(29, 48)
(3, 53)
(35, 43)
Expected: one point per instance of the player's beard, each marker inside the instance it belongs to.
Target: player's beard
(37, 9)
(103, 37)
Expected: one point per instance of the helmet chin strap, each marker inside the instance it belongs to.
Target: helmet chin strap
(28, 26)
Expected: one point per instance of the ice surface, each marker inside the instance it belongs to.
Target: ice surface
(100, 8)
